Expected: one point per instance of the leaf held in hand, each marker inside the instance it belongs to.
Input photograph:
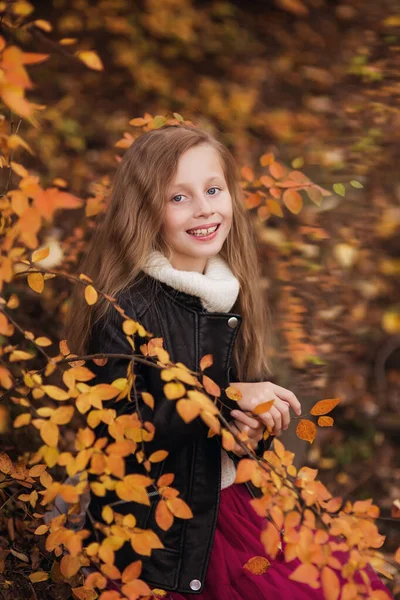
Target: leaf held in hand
(263, 407)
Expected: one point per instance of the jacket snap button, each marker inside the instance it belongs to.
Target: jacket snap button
(195, 585)
(232, 322)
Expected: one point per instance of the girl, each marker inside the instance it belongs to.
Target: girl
(177, 251)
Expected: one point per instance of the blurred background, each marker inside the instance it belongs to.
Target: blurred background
(316, 83)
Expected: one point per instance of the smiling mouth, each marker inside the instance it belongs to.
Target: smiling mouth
(203, 231)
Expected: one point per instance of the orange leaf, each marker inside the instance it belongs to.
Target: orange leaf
(22, 420)
(228, 441)
(163, 515)
(325, 421)
(270, 539)
(41, 254)
(306, 430)
(245, 470)
(38, 576)
(49, 433)
(267, 159)
(211, 387)
(233, 393)
(257, 565)
(263, 407)
(69, 565)
(132, 571)
(165, 479)
(293, 201)
(323, 407)
(277, 170)
(158, 456)
(179, 508)
(247, 173)
(206, 362)
(36, 282)
(306, 574)
(330, 584)
(397, 555)
(188, 410)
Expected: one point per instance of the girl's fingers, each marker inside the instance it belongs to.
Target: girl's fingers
(239, 415)
(283, 408)
(289, 397)
(277, 417)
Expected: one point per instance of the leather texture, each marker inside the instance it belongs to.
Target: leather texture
(189, 332)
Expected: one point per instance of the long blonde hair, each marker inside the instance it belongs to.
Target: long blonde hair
(131, 229)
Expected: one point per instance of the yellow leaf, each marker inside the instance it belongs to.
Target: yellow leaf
(323, 407)
(55, 392)
(188, 410)
(90, 59)
(228, 441)
(42, 24)
(38, 576)
(257, 565)
(148, 399)
(49, 433)
(41, 529)
(179, 508)
(40, 254)
(391, 322)
(173, 390)
(91, 295)
(20, 355)
(158, 456)
(62, 415)
(43, 341)
(36, 282)
(22, 420)
(107, 514)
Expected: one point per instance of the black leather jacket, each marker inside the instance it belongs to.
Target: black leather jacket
(189, 332)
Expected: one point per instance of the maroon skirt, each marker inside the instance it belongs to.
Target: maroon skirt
(237, 539)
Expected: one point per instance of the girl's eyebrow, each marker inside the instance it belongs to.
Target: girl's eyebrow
(186, 185)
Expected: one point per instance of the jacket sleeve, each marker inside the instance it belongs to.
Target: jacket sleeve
(171, 432)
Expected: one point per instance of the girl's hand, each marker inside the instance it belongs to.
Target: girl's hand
(253, 428)
(278, 416)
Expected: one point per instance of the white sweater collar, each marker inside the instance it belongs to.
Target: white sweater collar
(217, 287)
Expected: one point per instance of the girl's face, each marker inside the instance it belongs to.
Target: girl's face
(198, 210)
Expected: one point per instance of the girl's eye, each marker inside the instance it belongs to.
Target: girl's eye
(214, 188)
(174, 199)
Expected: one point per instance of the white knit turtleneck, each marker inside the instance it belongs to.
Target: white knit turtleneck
(218, 290)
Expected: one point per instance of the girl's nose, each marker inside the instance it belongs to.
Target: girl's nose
(204, 206)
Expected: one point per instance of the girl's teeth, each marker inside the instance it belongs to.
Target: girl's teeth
(203, 231)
